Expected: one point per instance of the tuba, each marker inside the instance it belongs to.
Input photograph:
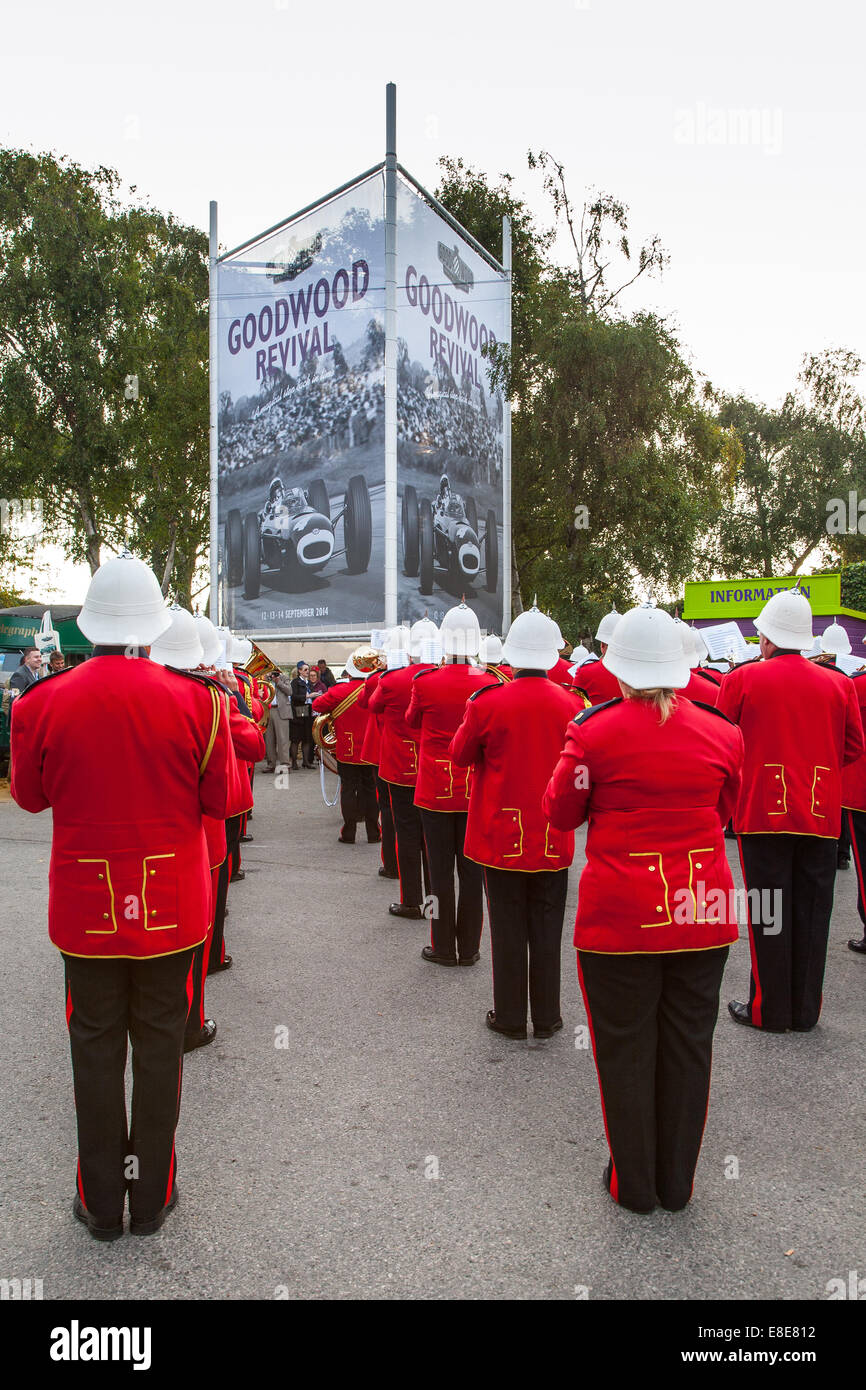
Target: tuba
(264, 672)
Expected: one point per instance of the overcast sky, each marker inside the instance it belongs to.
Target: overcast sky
(735, 132)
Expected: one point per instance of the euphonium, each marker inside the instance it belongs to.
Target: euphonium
(264, 672)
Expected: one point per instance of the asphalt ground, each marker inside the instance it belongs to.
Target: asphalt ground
(395, 1148)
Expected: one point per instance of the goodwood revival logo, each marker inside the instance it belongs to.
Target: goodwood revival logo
(303, 253)
(458, 272)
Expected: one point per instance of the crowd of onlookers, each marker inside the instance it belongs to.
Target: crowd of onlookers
(289, 733)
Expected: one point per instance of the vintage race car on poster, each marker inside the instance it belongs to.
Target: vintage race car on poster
(295, 534)
(447, 535)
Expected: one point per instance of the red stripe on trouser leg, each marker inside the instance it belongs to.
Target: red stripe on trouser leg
(80, 1185)
(858, 863)
(614, 1181)
(758, 999)
(68, 1005)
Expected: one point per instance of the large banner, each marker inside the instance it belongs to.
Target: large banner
(451, 303)
(301, 469)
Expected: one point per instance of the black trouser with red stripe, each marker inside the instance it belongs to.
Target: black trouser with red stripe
(411, 850)
(455, 927)
(200, 960)
(798, 874)
(218, 945)
(856, 821)
(106, 1002)
(526, 912)
(652, 1018)
(358, 800)
(389, 838)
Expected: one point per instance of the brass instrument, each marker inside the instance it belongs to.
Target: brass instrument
(264, 672)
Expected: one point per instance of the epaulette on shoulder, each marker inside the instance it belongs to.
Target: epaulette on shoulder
(428, 671)
(711, 709)
(698, 672)
(199, 677)
(46, 680)
(486, 689)
(596, 709)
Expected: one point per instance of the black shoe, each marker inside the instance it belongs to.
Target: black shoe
(429, 954)
(219, 965)
(201, 1037)
(384, 873)
(111, 1232)
(245, 839)
(310, 765)
(238, 877)
(741, 1013)
(263, 770)
(147, 1228)
(341, 840)
(858, 946)
(470, 960)
(547, 1032)
(399, 910)
(518, 1034)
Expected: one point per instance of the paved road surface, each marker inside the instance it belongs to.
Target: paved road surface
(309, 1166)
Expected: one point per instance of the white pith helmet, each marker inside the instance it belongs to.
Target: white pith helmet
(580, 654)
(424, 643)
(786, 620)
(124, 605)
(491, 650)
(242, 650)
(362, 662)
(687, 638)
(607, 625)
(209, 638)
(646, 651)
(460, 632)
(180, 645)
(836, 640)
(533, 642)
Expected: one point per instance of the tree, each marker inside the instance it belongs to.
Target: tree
(93, 293)
(607, 417)
(795, 461)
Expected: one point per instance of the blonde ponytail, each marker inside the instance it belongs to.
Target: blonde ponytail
(665, 701)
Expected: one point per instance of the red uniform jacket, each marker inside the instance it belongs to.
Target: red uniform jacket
(800, 725)
(597, 683)
(351, 726)
(129, 755)
(437, 707)
(511, 737)
(854, 775)
(373, 736)
(701, 687)
(398, 747)
(656, 797)
(501, 671)
(561, 674)
(248, 745)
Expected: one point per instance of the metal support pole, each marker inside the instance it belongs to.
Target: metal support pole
(390, 355)
(506, 448)
(213, 341)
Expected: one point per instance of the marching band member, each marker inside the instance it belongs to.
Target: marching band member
(398, 761)
(436, 709)
(511, 737)
(800, 727)
(594, 679)
(129, 765)
(656, 778)
(854, 802)
(242, 650)
(357, 781)
(370, 753)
